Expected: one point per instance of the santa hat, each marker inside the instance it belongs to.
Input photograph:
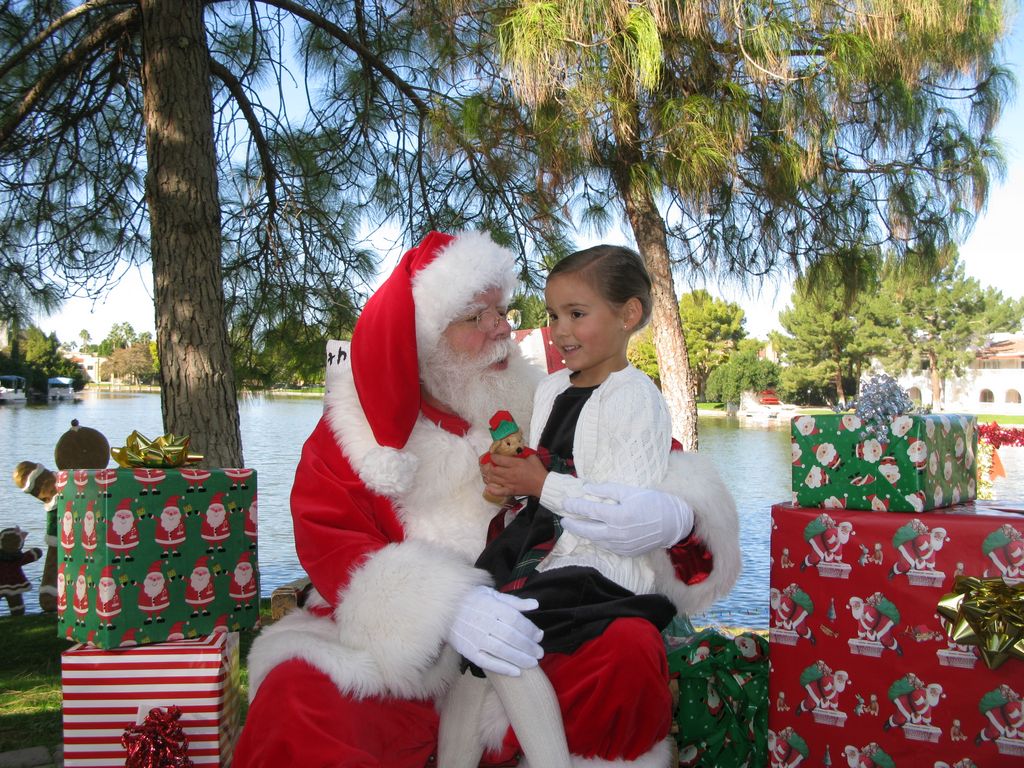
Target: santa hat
(243, 558)
(432, 285)
(201, 562)
(107, 572)
(172, 502)
(90, 506)
(217, 498)
(154, 567)
(124, 505)
(502, 425)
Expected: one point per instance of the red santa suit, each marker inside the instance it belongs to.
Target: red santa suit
(169, 532)
(154, 597)
(199, 591)
(122, 531)
(216, 527)
(243, 587)
(251, 527)
(108, 598)
(67, 532)
(62, 592)
(80, 602)
(89, 532)
(389, 518)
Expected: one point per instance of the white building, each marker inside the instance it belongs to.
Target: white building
(993, 384)
(88, 363)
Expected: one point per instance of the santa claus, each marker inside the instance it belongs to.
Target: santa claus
(216, 526)
(251, 527)
(62, 591)
(89, 532)
(67, 532)
(80, 602)
(108, 598)
(122, 532)
(243, 589)
(169, 532)
(154, 597)
(389, 517)
(199, 590)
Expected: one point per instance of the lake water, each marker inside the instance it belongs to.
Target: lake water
(754, 460)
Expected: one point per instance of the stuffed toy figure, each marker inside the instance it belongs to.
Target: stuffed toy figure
(78, 448)
(508, 441)
(38, 481)
(12, 578)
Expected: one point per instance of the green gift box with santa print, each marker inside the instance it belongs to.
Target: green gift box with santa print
(907, 463)
(147, 555)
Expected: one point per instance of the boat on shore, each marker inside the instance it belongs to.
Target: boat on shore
(60, 388)
(12, 389)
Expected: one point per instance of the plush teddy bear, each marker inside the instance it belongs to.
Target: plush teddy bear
(37, 480)
(508, 441)
(12, 557)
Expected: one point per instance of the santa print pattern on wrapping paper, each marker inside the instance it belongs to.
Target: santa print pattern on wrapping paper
(862, 671)
(918, 463)
(151, 554)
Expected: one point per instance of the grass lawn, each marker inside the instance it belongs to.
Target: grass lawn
(30, 688)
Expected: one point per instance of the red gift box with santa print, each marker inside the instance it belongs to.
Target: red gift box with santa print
(108, 691)
(862, 671)
(147, 555)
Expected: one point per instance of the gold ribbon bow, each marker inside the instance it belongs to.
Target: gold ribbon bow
(166, 451)
(987, 613)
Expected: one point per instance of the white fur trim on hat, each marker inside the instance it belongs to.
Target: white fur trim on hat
(444, 289)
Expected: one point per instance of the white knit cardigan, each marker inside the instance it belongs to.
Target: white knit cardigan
(624, 435)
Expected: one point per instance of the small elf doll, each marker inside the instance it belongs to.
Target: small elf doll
(508, 441)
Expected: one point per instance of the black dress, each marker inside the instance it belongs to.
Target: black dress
(577, 602)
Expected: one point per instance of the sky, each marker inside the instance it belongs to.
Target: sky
(992, 253)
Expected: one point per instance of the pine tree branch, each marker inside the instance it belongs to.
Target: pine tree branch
(70, 62)
(56, 25)
(263, 149)
(356, 47)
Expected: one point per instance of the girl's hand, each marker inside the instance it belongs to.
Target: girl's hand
(511, 476)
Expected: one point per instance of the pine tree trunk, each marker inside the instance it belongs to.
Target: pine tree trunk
(840, 394)
(933, 365)
(677, 380)
(197, 381)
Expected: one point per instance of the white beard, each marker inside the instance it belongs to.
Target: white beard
(472, 389)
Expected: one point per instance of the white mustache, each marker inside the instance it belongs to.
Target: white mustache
(502, 349)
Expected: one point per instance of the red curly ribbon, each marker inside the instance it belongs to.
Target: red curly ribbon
(998, 436)
(159, 742)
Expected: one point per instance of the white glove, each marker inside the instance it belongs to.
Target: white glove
(628, 520)
(490, 630)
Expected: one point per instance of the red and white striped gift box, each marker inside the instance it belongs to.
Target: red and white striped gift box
(107, 691)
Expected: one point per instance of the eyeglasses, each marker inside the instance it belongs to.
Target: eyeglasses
(491, 318)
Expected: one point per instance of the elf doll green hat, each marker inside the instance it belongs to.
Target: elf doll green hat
(502, 425)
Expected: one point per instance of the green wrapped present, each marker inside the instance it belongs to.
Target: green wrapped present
(148, 554)
(907, 463)
(722, 714)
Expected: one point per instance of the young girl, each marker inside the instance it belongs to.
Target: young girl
(599, 420)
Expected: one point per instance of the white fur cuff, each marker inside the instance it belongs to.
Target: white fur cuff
(400, 603)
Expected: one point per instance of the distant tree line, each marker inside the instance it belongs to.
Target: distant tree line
(36, 356)
(842, 319)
